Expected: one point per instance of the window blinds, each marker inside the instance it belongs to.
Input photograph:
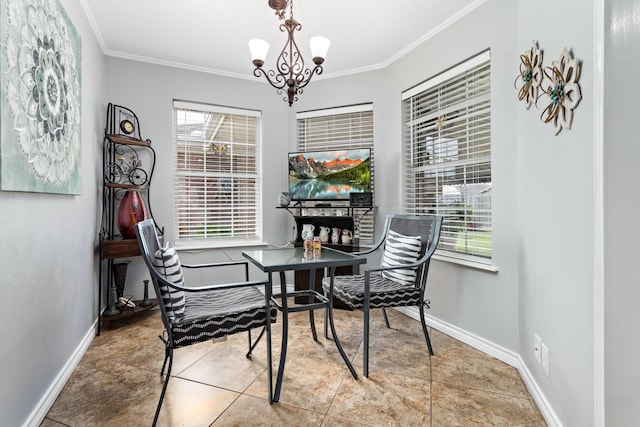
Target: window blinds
(217, 181)
(447, 156)
(347, 127)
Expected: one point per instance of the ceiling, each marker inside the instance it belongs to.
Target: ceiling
(212, 35)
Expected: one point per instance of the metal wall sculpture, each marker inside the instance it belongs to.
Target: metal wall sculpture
(558, 84)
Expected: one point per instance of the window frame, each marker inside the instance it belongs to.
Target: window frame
(253, 234)
(420, 104)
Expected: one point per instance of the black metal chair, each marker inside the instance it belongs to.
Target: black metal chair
(408, 243)
(195, 314)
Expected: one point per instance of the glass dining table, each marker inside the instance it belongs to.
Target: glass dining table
(281, 260)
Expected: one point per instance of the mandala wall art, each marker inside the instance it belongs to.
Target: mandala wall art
(40, 148)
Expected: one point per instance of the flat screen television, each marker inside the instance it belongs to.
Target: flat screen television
(329, 175)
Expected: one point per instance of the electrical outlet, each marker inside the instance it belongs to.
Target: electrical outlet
(545, 359)
(537, 348)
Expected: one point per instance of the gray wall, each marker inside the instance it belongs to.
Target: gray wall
(49, 263)
(482, 303)
(542, 196)
(149, 90)
(555, 208)
(543, 203)
(622, 203)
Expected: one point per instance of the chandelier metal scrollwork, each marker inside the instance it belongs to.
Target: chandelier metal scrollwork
(290, 74)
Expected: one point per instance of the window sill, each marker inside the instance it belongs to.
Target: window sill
(466, 263)
(217, 244)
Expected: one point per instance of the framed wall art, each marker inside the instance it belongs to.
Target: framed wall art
(40, 148)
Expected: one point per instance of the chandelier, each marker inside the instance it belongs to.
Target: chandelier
(291, 75)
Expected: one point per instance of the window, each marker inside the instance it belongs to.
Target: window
(447, 156)
(339, 128)
(218, 180)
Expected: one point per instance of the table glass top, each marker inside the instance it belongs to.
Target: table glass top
(296, 259)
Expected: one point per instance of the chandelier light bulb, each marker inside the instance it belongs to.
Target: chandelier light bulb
(319, 48)
(258, 49)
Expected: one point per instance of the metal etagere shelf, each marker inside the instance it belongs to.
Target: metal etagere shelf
(128, 165)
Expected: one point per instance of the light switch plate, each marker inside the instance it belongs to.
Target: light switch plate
(537, 348)
(545, 359)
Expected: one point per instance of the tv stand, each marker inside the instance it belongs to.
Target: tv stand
(341, 216)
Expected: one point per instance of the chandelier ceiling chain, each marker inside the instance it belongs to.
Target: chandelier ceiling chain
(291, 75)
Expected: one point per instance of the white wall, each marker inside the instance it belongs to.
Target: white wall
(49, 266)
(622, 203)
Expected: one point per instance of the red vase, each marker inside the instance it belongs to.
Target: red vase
(131, 211)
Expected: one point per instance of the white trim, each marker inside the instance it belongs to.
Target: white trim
(536, 392)
(48, 399)
(215, 243)
(334, 111)
(210, 108)
(492, 349)
(447, 74)
(599, 218)
(471, 263)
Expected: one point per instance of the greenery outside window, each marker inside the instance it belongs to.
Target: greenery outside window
(447, 156)
(218, 180)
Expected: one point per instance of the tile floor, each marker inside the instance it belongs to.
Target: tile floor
(117, 382)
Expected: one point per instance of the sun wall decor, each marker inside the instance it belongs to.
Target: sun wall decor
(562, 90)
(530, 77)
(40, 149)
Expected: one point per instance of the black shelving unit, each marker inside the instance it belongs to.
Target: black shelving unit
(128, 165)
(335, 215)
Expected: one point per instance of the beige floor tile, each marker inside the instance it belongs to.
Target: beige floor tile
(89, 400)
(456, 363)
(308, 383)
(253, 411)
(226, 366)
(383, 400)
(117, 381)
(186, 404)
(460, 406)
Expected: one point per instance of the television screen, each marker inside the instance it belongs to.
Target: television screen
(329, 175)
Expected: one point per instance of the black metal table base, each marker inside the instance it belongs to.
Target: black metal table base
(315, 301)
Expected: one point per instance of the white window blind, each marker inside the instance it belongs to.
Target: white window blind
(218, 180)
(342, 128)
(447, 156)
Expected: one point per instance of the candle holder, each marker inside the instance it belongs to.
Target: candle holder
(111, 309)
(146, 302)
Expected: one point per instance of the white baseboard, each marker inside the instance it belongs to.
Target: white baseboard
(507, 356)
(48, 399)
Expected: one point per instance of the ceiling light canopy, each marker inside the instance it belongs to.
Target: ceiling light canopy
(291, 74)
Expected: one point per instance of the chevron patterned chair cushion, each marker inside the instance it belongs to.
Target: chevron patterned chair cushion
(168, 265)
(383, 292)
(217, 313)
(400, 249)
